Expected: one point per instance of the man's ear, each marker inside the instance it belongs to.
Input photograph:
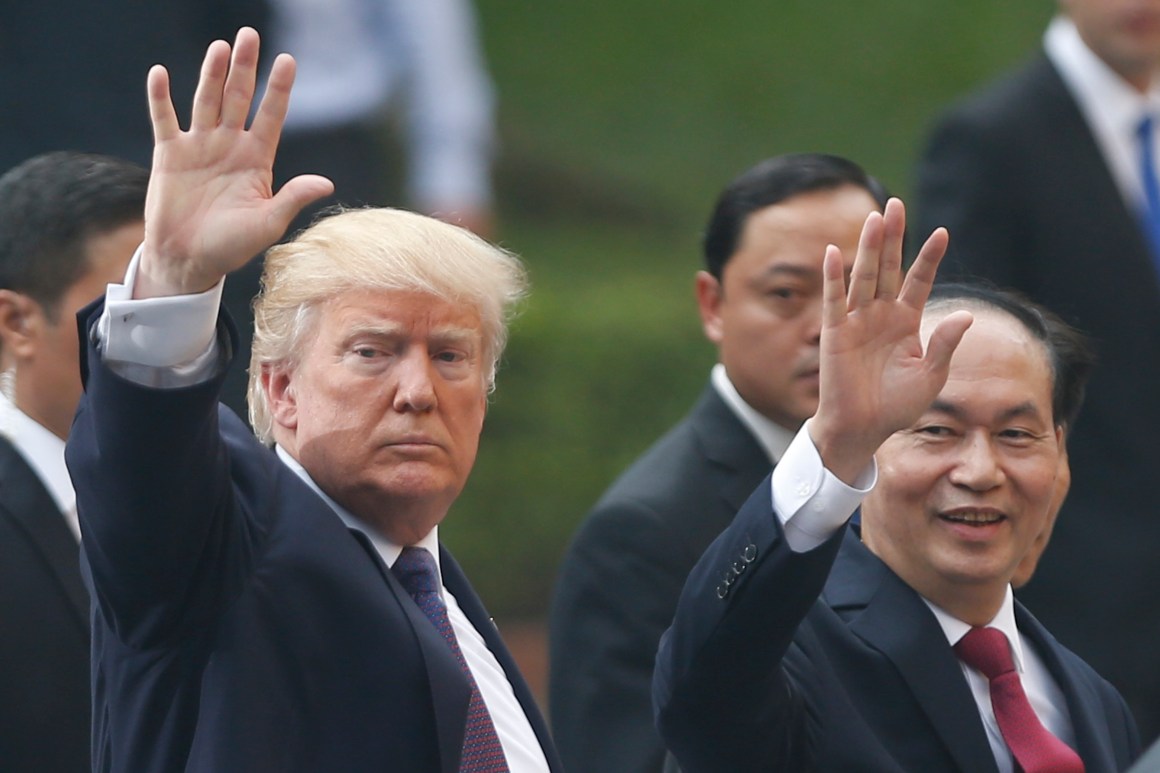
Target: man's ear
(709, 292)
(277, 382)
(20, 321)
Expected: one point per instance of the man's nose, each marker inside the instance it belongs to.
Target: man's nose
(978, 466)
(414, 385)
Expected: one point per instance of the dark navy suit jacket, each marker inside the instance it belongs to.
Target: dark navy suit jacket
(827, 660)
(44, 629)
(621, 578)
(238, 625)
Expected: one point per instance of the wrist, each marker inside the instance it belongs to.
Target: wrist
(157, 277)
(844, 452)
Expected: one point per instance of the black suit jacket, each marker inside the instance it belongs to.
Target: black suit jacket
(621, 577)
(44, 629)
(761, 673)
(238, 624)
(1016, 176)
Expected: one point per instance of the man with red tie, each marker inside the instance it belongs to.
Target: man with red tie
(289, 609)
(800, 643)
(1046, 179)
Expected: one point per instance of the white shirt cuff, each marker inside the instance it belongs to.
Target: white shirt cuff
(810, 501)
(142, 339)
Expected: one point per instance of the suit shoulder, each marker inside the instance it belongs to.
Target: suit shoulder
(656, 474)
(1007, 102)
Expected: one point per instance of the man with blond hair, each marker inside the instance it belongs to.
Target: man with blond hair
(289, 609)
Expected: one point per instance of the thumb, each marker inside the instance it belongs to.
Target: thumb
(944, 340)
(295, 195)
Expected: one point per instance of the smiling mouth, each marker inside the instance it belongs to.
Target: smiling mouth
(974, 517)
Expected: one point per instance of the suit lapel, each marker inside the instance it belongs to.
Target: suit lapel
(1083, 701)
(450, 691)
(456, 582)
(917, 648)
(730, 446)
(1060, 117)
(24, 499)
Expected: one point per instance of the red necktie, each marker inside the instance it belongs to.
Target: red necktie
(1035, 749)
(482, 752)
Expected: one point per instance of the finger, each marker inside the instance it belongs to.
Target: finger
(942, 343)
(207, 100)
(267, 125)
(920, 278)
(864, 276)
(833, 288)
(294, 196)
(161, 112)
(240, 82)
(890, 268)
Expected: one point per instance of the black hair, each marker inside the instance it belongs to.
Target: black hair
(770, 182)
(50, 206)
(1069, 351)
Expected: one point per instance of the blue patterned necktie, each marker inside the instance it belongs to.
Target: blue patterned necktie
(1151, 214)
(482, 752)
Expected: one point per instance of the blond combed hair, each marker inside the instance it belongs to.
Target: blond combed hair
(375, 249)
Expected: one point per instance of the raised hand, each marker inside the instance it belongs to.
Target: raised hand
(875, 378)
(211, 204)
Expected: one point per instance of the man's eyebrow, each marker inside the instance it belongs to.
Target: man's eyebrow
(453, 335)
(778, 269)
(1025, 408)
(373, 329)
(440, 335)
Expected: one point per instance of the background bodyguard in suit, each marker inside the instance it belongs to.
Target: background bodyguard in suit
(760, 302)
(799, 644)
(1040, 178)
(245, 615)
(68, 223)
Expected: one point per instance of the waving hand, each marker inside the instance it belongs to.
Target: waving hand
(211, 204)
(875, 378)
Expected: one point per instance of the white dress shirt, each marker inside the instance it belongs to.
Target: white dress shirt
(812, 504)
(770, 435)
(1112, 107)
(44, 452)
(1042, 692)
(170, 342)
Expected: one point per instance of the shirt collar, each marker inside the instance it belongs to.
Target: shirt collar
(44, 453)
(1104, 97)
(955, 629)
(387, 550)
(772, 437)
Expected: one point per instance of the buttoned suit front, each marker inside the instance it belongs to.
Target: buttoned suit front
(828, 661)
(238, 623)
(44, 629)
(1015, 174)
(622, 575)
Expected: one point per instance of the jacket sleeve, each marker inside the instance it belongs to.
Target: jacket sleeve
(616, 595)
(722, 699)
(162, 537)
(963, 185)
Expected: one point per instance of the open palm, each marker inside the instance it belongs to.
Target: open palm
(211, 204)
(875, 377)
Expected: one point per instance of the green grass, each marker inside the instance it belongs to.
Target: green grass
(619, 124)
